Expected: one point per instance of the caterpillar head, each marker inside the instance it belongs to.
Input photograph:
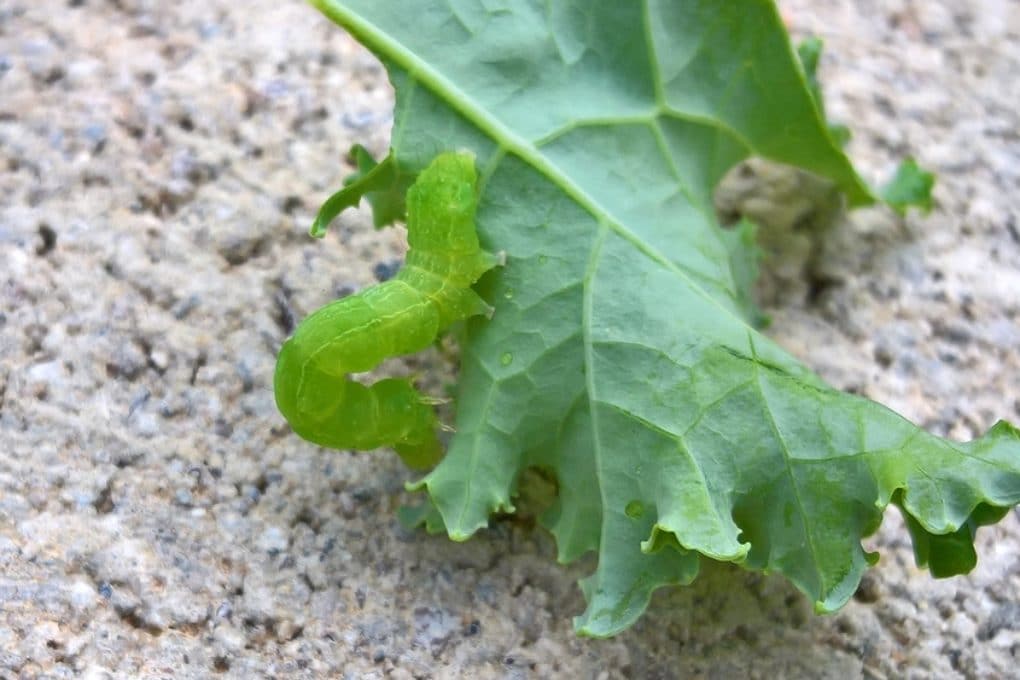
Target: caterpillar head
(442, 204)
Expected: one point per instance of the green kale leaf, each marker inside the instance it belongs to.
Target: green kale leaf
(622, 356)
(810, 53)
(382, 184)
(910, 186)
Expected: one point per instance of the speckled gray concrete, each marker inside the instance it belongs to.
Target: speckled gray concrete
(159, 163)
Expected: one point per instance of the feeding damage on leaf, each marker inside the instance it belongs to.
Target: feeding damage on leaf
(622, 358)
(383, 184)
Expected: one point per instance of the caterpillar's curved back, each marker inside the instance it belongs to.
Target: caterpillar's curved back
(399, 316)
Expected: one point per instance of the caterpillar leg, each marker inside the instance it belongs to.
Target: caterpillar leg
(465, 303)
(497, 259)
(401, 406)
(420, 455)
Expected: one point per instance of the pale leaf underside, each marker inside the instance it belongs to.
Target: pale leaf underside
(619, 356)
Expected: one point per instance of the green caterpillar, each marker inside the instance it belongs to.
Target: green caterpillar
(399, 316)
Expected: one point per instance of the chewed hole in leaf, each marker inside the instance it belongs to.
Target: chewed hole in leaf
(635, 509)
(537, 490)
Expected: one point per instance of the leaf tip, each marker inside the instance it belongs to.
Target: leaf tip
(911, 186)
